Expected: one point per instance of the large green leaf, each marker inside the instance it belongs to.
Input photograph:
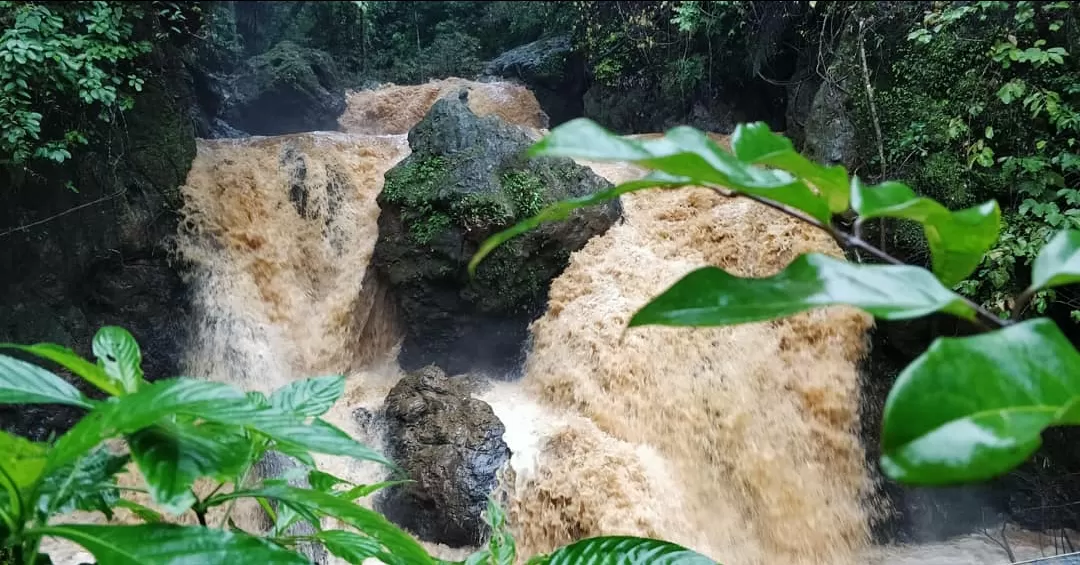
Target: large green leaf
(1058, 262)
(21, 461)
(971, 408)
(622, 550)
(683, 152)
(215, 402)
(562, 210)
(167, 544)
(24, 383)
(396, 542)
(711, 297)
(120, 356)
(958, 240)
(171, 455)
(352, 547)
(754, 143)
(309, 397)
(87, 484)
(75, 363)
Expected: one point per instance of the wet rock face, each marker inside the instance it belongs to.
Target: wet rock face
(552, 70)
(466, 179)
(451, 445)
(288, 89)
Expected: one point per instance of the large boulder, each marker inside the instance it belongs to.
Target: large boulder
(466, 179)
(288, 89)
(552, 70)
(451, 446)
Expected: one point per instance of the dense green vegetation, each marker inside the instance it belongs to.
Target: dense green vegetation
(968, 409)
(180, 430)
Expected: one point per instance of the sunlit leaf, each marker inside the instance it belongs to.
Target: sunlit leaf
(755, 143)
(23, 383)
(711, 297)
(167, 544)
(971, 408)
(22, 461)
(119, 354)
(309, 397)
(73, 362)
(958, 240)
(622, 550)
(1058, 263)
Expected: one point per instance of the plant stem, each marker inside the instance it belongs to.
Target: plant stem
(984, 318)
(1021, 304)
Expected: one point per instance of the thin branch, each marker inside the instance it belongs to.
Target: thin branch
(62, 214)
(985, 319)
(1021, 304)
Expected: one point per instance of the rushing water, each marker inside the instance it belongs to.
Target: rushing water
(739, 442)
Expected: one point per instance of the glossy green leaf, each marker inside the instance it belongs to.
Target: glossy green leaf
(23, 383)
(958, 240)
(711, 297)
(309, 397)
(323, 481)
(352, 547)
(971, 408)
(148, 515)
(172, 454)
(73, 362)
(1058, 263)
(167, 544)
(682, 152)
(397, 543)
(87, 484)
(120, 356)
(215, 402)
(755, 143)
(561, 210)
(21, 461)
(622, 550)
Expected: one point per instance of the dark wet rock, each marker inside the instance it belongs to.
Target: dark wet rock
(288, 89)
(466, 179)
(451, 445)
(551, 70)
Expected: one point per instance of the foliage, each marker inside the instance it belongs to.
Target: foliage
(979, 100)
(968, 408)
(180, 431)
(65, 66)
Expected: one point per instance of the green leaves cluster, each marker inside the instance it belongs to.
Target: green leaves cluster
(180, 430)
(967, 409)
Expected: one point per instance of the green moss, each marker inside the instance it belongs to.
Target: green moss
(525, 190)
(413, 186)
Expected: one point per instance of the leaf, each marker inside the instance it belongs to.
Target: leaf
(73, 362)
(324, 482)
(682, 152)
(755, 143)
(212, 401)
(360, 491)
(958, 240)
(119, 354)
(87, 484)
(711, 297)
(399, 544)
(353, 548)
(622, 550)
(145, 514)
(167, 544)
(171, 455)
(21, 460)
(1058, 263)
(309, 397)
(23, 383)
(562, 209)
(992, 395)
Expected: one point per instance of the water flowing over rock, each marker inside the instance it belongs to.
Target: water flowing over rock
(451, 445)
(552, 70)
(288, 89)
(466, 179)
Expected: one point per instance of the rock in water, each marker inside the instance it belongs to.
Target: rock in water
(552, 70)
(466, 179)
(451, 445)
(288, 89)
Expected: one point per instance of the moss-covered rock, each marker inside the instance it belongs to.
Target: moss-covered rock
(467, 179)
(288, 89)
